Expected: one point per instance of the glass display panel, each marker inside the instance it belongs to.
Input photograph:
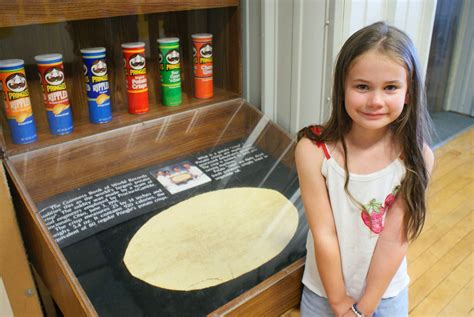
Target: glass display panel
(98, 195)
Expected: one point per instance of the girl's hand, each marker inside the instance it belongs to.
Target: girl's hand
(351, 314)
(342, 308)
(348, 314)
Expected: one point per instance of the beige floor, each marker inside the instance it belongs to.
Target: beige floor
(440, 261)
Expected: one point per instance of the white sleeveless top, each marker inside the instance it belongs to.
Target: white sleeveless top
(357, 232)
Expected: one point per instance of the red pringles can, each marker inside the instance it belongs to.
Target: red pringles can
(56, 101)
(202, 55)
(135, 74)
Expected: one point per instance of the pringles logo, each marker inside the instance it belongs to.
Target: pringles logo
(206, 50)
(172, 59)
(16, 82)
(137, 65)
(137, 61)
(99, 71)
(54, 76)
(99, 68)
(205, 53)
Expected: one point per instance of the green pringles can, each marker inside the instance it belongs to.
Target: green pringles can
(170, 70)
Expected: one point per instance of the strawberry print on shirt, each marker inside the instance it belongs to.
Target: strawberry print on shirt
(373, 214)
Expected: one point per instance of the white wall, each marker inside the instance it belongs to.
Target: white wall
(460, 95)
(415, 17)
(252, 51)
(300, 40)
(294, 60)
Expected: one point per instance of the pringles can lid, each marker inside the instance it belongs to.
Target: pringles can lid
(201, 36)
(49, 58)
(133, 45)
(167, 40)
(92, 50)
(8, 64)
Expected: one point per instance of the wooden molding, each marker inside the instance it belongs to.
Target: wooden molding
(16, 13)
(272, 297)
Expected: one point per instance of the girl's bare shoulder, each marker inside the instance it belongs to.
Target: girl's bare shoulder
(308, 153)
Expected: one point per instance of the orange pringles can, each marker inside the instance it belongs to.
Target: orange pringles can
(135, 74)
(202, 56)
(17, 101)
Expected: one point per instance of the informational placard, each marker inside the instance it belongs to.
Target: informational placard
(95, 206)
(230, 160)
(80, 213)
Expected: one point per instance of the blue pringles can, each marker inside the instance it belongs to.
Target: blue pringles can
(97, 84)
(17, 101)
(56, 101)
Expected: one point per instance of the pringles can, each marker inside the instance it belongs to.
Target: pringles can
(17, 101)
(170, 70)
(97, 84)
(56, 101)
(202, 56)
(135, 73)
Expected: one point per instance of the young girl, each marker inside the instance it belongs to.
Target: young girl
(363, 177)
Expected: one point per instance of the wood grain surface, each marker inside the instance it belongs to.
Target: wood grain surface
(48, 11)
(14, 267)
(46, 256)
(272, 297)
(440, 260)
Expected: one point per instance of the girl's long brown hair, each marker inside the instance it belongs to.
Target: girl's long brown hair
(412, 128)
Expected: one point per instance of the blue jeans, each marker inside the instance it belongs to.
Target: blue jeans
(314, 305)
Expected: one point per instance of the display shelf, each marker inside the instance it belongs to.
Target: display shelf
(67, 38)
(121, 118)
(66, 166)
(16, 13)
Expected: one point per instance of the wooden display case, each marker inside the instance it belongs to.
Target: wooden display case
(79, 27)
(57, 164)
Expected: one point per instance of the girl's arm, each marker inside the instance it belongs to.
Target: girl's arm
(321, 223)
(389, 252)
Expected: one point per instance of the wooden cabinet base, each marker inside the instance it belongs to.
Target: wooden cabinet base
(47, 258)
(272, 297)
(14, 269)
